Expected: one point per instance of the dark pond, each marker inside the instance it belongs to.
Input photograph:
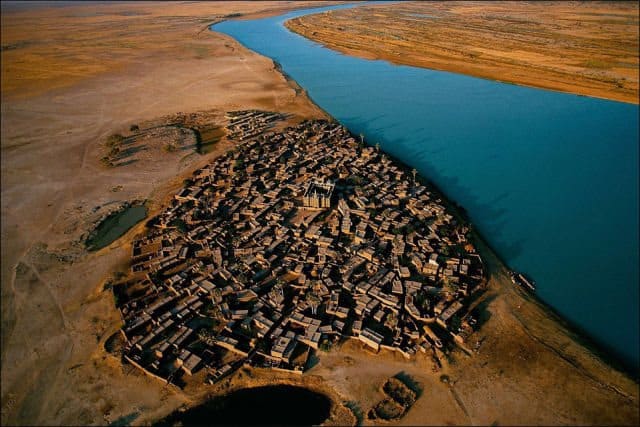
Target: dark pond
(114, 226)
(269, 405)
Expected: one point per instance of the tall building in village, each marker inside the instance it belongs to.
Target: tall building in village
(318, 194)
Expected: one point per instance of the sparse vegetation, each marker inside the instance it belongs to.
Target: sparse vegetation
(106, 161)
(239, 164)
(115, 140)
(398, 399)
(169, 147)
(115, 150)
(179, 224)
(455, 323)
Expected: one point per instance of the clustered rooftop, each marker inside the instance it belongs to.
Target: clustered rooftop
(244, 267)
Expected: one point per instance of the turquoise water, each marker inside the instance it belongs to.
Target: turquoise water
(549, 179)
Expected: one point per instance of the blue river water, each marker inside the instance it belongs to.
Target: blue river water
(549, 179)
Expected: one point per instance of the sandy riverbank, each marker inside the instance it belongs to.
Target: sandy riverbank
(585, 48)
(56, 315)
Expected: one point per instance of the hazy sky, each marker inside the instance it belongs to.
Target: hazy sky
(14, 4)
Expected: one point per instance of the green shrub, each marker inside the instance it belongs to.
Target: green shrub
(115, 140)
(106, 161)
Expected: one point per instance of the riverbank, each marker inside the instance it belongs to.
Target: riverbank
(523, 352)
(551, 359)
(497, 267)
(56, 117)
(587, 49)
(460, 131)
(525, 349)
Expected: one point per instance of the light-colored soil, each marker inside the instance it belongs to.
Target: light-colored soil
(57, 47)
(56, 316)
(586, 48)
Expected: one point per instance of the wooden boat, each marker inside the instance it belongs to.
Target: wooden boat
(523, 281)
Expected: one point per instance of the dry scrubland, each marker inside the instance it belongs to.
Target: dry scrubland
(72, 76)
(587, 48)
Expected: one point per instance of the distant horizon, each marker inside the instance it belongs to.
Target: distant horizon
(24, 4)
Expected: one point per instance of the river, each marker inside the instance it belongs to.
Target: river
(549, 179)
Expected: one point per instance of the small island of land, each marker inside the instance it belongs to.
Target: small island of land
(586, 48)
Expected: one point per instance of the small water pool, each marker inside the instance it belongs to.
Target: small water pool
(267, 405)
(114, 226)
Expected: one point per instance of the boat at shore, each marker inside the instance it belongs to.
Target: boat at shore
(523, 281)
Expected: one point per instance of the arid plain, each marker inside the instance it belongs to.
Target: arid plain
(72, 76)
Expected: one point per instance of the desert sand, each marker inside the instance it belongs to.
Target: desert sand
(585, 48)
(87, 72)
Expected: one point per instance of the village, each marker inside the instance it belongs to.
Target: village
(293, 241)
